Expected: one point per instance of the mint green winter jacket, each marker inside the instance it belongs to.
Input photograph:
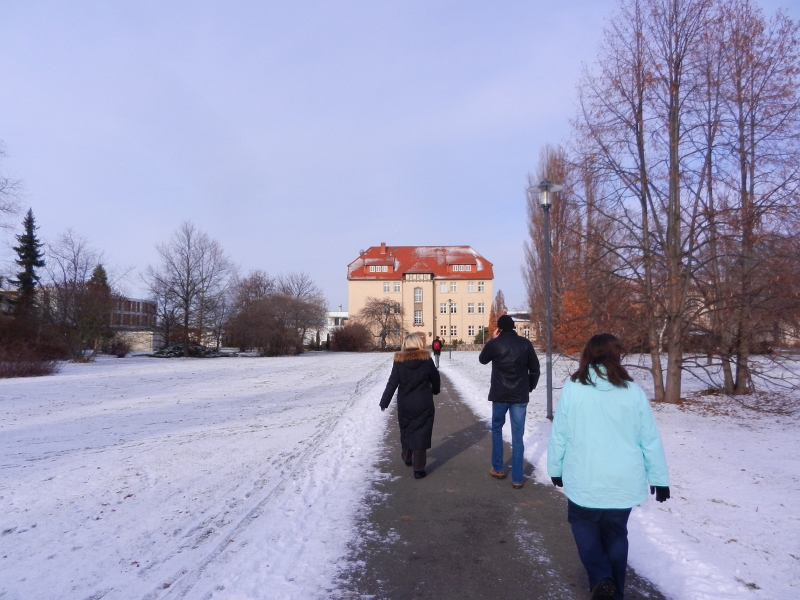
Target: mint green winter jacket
(605, 444)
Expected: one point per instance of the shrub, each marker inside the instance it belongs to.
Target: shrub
(353, 337)
(119, 347)
(20, 360)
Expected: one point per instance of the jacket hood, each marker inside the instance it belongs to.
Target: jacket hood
(409, 355)
(601, 383)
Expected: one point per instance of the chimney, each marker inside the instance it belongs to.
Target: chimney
(383, 248)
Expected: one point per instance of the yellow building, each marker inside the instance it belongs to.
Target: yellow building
(443, 290)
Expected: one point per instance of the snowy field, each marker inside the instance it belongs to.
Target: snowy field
(152, 478)
(732, 527)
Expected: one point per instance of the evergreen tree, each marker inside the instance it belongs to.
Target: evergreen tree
(99, 278)
(94, 311)
(30, 259)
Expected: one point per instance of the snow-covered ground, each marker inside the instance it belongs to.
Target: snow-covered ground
(732, 527)
(152, 478)
(242, 478)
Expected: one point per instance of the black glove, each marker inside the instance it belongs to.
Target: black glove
(661, 492)
(557, 481)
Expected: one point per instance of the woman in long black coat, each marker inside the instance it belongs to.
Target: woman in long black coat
(417, 380)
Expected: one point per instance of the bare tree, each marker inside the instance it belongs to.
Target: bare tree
(78, 298)
(274, 315)
(193, 272)
(9, 194)
(383, 317)
(633, 129)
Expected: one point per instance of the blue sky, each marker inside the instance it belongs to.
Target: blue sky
(295, 133)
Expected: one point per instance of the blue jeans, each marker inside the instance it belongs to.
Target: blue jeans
(517, 411)
(601, 535)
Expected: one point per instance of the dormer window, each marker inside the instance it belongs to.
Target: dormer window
(457, 268)
(379, 268)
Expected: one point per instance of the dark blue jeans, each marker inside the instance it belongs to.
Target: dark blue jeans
(517, 412)
(601, 535)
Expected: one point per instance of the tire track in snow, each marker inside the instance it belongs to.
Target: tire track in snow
(184, 580)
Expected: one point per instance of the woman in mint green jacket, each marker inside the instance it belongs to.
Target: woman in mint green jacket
(605, 450)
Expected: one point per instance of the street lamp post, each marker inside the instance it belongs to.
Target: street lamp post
(450, 325)
(545, 190)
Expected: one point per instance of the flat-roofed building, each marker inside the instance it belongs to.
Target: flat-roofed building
(443, 290)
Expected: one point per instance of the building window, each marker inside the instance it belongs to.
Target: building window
(480, 308)
(397, 308)
(387, 287)
(417, 294)
(470, 308)
(396, 287)
(527, 333)
(443, 287)
(471, 330)
(442, 330)
(452, 287)
(471, 286)
(417, 317)
(480, 286)
(457, 268)
(443, 308)
(453, 330)
(453, 308)
(379, 268)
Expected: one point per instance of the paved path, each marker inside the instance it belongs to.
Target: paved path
(461, 534)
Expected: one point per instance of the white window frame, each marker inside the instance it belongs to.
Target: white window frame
(470, 286)
(396, 287)
(454, 308)
(471, 330)
(387, 287)
(442, 330)
(480, 286)
(417, 317)
(379, 268)
(454, 331)
(470, 308)
(481, 308)
(443, 287)
(417, 294)
(443, 308)
(453, 287)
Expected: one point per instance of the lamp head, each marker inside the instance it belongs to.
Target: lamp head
(545, 190)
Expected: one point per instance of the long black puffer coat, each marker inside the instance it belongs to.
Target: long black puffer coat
(417, 378)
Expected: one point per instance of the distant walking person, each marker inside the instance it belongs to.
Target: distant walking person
(437, 350)
(604, 450)
(515, 373)
(417, 380)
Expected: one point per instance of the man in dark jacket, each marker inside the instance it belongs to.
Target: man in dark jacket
(515, 373)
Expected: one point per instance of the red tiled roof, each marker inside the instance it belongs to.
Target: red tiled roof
(436, 260)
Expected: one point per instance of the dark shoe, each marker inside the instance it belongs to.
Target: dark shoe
(419, 474)
(408, 463)
(497, 474)
(517, 486)
(604, 589)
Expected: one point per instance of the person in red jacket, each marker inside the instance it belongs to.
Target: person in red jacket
(437, 350)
